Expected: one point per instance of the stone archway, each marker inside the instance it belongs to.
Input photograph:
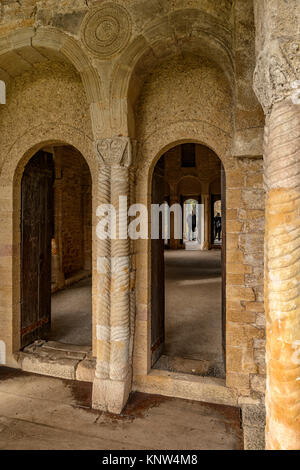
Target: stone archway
(158, 144)
(11, 176)
(170, 346)
(56, 250)
(28, 46)
(139, 57)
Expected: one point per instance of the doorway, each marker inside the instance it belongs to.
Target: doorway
(56, 249)
(188, 281)
(192, 223)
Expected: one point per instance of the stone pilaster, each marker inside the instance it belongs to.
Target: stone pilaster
(112, 384)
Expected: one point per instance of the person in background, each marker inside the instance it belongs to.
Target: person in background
(218, 226)
(194, 224)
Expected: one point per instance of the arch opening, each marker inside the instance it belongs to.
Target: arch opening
(30, 47)
(188, 273)
(56, 250)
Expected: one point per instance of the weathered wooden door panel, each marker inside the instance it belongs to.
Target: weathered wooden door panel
(36, 234)
(157, 275)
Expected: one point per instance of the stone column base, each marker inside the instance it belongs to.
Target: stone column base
(111, 395)
(253, 421)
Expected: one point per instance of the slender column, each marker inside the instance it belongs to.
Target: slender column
(174, 243)
(103, 278)
(282, 276)
(206, 203)
(120, 280)
(112, 384)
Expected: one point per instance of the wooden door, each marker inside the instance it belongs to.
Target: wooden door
(36, 234)
(223, 259)
(157, 275)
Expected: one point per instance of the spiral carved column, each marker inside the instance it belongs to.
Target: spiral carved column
(120, 319)
(103, 273)
(112, 383)
(282, 276)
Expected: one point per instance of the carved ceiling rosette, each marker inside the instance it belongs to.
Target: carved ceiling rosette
(106, 30)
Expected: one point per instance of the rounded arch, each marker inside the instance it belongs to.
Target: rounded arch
(10, 189)
(199, 35)
(41, 136)
(26, 47)
(162, 140)
(151, 150)
(189, 185)
(156, 145)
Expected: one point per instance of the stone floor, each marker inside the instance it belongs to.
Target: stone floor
(38, 412)
(71, 314)
(193, 305)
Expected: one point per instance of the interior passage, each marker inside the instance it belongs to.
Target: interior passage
(71, 314)
(193, 305)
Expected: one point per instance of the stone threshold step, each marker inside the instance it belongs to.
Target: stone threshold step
(65, 361)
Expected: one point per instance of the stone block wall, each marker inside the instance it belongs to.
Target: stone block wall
(245, 279)
(72, 215)
(72, 211)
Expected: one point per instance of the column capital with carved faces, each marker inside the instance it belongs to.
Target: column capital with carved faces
(116, 151)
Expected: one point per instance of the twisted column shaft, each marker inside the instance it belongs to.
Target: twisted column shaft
(114, 305)
(282, 276)
(120, 280)
(103, 271)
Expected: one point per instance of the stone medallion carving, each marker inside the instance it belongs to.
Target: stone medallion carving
(106, 30)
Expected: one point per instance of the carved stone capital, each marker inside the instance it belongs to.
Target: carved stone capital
(277, 68)
(115, 152)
